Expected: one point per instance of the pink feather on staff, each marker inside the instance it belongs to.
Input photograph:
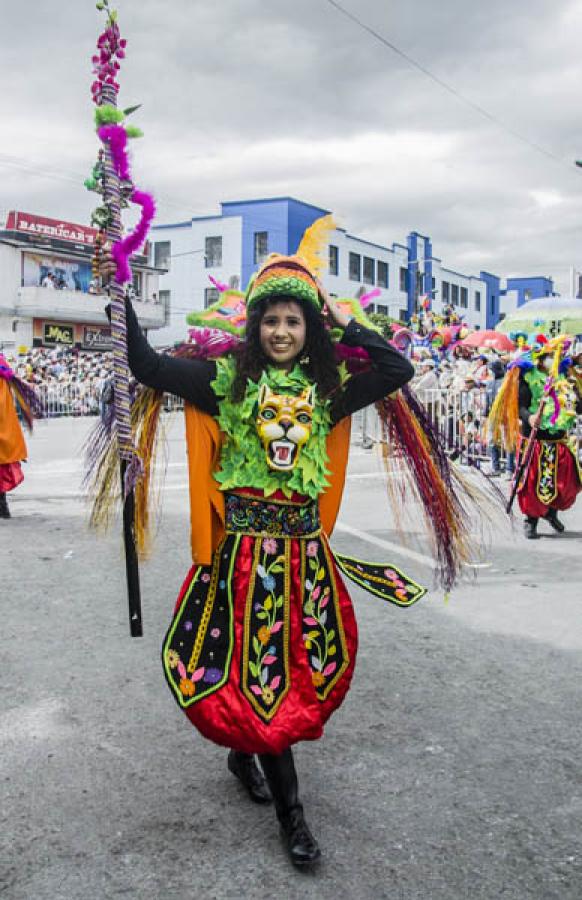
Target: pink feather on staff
(366, 299)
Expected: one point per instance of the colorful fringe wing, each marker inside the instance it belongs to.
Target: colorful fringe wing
(102, 478)
(102, 474)
(27, 401)
(504, 415)
(417, 464)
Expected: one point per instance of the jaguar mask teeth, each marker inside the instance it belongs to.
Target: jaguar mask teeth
(282, 454)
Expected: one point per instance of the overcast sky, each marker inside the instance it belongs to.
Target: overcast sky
(258, 98)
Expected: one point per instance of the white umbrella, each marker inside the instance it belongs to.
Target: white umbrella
(548, 315)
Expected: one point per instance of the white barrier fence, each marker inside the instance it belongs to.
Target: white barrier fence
(461, 419)
(77, 400)
(67, 400)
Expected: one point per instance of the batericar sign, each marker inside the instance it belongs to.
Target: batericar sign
(51, 228)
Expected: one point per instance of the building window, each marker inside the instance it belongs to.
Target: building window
(403, 315)
(162, 252)
(527, 294)
(136, 284)
(261, 247)
(211, 295)
(369, 267)
(382, 274)
(164, 299)
(403, 279)
(383, 310)
(492, 306)
(213, 252)
(445, 291)
(455, 294)
(464, 297)
(333, 260)
(477, 301)
(433, 283)
(355, 266)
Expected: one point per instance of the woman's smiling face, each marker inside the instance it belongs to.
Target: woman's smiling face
(283, 332)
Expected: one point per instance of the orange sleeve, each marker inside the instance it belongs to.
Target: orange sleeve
(203, 443)
(338, 448)
(12, 444)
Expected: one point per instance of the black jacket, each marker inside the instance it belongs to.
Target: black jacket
(192, 378)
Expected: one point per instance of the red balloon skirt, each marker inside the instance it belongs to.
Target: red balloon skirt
(263, 643)
(552, 481)
(10, 476)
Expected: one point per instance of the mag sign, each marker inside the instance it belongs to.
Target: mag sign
(53, 333)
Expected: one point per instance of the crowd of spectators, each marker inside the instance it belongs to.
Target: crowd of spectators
(458, 392)
(69, 381)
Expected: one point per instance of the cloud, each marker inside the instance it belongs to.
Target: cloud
(252, 98)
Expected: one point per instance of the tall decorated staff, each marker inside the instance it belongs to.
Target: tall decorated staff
(111, 178)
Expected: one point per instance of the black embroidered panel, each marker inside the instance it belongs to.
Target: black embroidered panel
(198, 647)
(547, 486)
(265, 656)
(323, 631)
(381, 579)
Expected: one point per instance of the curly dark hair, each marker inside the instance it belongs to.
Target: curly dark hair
(320, 365)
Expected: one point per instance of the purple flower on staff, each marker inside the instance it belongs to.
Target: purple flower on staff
(258, 607)
(270, 545)
(212, 676)
(188, 626)
(312, 548)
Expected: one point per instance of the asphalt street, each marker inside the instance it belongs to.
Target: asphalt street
(452, 771)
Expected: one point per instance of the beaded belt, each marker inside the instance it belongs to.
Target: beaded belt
(260, 517)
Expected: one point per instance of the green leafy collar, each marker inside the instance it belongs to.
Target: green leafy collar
(243, 462)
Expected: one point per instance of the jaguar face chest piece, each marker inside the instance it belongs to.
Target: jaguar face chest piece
(284, 426)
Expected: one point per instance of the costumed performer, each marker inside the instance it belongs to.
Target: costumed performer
(537, 394)
(263, 643)
(14, 394)
(262, 646)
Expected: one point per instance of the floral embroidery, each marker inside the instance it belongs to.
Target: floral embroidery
(256, 517)
(388, 583)
(187, 687)
(265, 678)
(547, 486)
(322, 629)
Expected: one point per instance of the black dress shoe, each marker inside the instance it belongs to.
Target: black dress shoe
(4, 511)
(245, 768)
(302, 846)
(552, 517)
(531, 528)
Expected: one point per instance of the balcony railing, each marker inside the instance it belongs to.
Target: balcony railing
(77, 306)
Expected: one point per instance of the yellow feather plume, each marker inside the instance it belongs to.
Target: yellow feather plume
(504, 415)
(314, 244)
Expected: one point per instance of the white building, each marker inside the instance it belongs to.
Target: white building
(46, 291)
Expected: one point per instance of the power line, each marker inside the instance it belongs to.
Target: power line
(476, 107)
(53, 174)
